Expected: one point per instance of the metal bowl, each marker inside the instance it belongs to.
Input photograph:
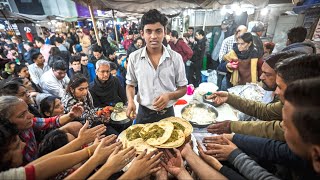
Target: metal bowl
(208, 107)
(114, 119)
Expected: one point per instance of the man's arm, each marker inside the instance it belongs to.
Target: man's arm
(259, 110)
(130, 95)
(264, 129)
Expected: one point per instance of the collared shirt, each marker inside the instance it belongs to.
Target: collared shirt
(30, 152)
(36, 72)
(62, 47)
(152, 82)
(226, 46)
(51, 85)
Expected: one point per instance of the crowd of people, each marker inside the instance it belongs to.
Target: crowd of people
(51, 89)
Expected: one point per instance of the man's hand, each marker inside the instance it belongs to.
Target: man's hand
(219, 97)
(220, 151)
(173, 164)
(213, 162)
(105, 148)
(76, 111)
(131, 110)
(161, 102)
(220, 127)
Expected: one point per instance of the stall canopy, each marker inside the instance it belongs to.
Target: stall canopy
(19, 16)
(168, 7)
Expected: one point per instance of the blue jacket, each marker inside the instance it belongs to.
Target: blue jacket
(92, 72)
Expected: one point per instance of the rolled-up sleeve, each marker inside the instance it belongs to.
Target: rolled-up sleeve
(180, 72)
(131, 77)
(45, 123)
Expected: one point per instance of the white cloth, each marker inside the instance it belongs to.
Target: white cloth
(152, 82)
(36, 72)
(50, 84)
(14, 174)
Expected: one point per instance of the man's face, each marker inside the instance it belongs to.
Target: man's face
(135, 36)
(103, 73)
(97, 55)
(84, 60)
(76, 66)
(281, 88)
(172, 39)
(153, 35)
(112, 56)
(130, 36)
(59, 74)
(40, 60)
(291, 134)
(139, 43)
(268, 77)
(190, 31)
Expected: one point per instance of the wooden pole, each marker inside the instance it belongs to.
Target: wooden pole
(94, 23)
(115, 27)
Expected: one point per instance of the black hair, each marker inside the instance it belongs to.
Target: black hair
(54, 51)
(39, 39)
(200, 32)
(82, 54)
(47, 105)
(58, 40)
(298, 67)
(8, 135)
(75, 82)
(76, 58)
(35, 56)
(297, 34)
(174, 33)
(97, 48)
(110, 52)
(305, 97)
(59, 65)
(10, 88)
(18, 68)
(246, 37)
(191, 28)
(28, 43)
(138, 38)
(113, 66)
(153, 16)
(53, 141)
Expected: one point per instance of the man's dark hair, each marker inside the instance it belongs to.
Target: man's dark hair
(53, 141)
(58, 40)
(200, 32)
(305, 97)
(82, 54)
(76, 58)
(59, 65)
(298, 67)
(10, 89)
(297, 34)
(273, 59)
(153, 16)
(191, 28)
(39, 39)
(109, 52)
(136, 40)
(35, 56)
(113, 66)
(18, 68)
(175, 34)
(8, 135)
(97, 48)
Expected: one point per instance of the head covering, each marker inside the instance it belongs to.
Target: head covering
(273, 59)
(78, 48)
(130, 33)
(258, 27)
(225, 22)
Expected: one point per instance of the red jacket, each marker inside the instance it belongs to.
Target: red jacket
(182, 48)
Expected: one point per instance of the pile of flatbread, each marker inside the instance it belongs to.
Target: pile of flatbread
(168, 133)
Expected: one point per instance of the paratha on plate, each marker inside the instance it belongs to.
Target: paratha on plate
(157, 133)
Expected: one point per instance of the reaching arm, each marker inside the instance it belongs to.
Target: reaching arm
(259, 110)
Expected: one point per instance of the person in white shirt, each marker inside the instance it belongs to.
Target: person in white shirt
(158, 72)
(55, 80)
(38, 68)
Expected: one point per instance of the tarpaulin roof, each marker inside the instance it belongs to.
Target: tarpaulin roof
(167, 7)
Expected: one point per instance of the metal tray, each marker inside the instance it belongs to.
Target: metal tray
(209, 107)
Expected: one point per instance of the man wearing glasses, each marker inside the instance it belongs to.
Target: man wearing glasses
(106, 90)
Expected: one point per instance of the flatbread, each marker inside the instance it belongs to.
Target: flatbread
(140, 146)
(178, 141)
(123, 135)
(157, 133)
(177, 122)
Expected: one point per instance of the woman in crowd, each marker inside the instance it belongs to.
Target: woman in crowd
(242, 63)
(55, 55)
(51, 106)
(78, 92)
